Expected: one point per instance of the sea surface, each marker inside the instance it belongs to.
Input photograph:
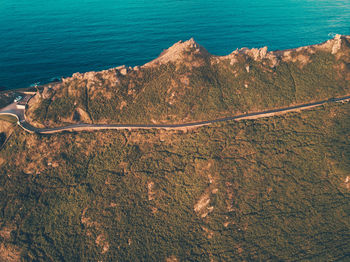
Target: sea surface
(43, 39)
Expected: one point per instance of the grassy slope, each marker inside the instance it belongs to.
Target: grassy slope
(8, 118)
(180, 92)
(281, 192)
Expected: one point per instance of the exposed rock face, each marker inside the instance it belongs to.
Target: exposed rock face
(296, 55)
(337, 41)
(123, 71)
(109, 74)
(94, 81)
(151, 193)
(46, 93)
(255, 53)
(258, 54)
(172, 259)
(202, 205)
(185, 50)
(333, 45)
(83, 116)
(136, 94)
(179, 52)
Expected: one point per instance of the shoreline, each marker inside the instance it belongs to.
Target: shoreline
(245, 50)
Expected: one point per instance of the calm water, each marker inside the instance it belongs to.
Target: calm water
(41, 39)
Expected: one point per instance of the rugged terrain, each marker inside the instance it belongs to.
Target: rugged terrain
(269, 189)
(186, 83)
(255, 190)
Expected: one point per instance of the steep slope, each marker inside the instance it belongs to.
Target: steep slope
(186, 83)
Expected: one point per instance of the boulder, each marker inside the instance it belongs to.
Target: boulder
(337, 41)
(123, 71)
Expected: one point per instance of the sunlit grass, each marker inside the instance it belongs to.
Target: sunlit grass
(8, 118)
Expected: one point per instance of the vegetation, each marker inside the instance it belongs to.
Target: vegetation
(197, 86)
(2, 138)
(7, 122)
(8, 118)
(255, 190)
(6, 98)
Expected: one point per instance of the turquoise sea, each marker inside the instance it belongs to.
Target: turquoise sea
(42, 39)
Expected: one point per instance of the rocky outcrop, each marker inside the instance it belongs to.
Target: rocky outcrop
(333, 45)
(300, 54)
(337, 42)
(107, 75)
(255, 53)
(179, 52)
(184, 51)
(168, 94)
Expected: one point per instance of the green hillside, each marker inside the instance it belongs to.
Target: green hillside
(274, 189)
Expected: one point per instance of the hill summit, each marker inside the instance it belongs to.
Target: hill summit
(189, 51)
(186, 83)
(265, 189)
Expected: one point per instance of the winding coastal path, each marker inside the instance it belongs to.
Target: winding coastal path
(18, 111)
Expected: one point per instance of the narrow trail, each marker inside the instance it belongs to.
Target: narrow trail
(20, 113)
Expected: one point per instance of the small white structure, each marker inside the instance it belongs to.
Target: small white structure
(17, 99)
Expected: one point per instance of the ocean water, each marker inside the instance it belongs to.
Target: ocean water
(42, 39)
